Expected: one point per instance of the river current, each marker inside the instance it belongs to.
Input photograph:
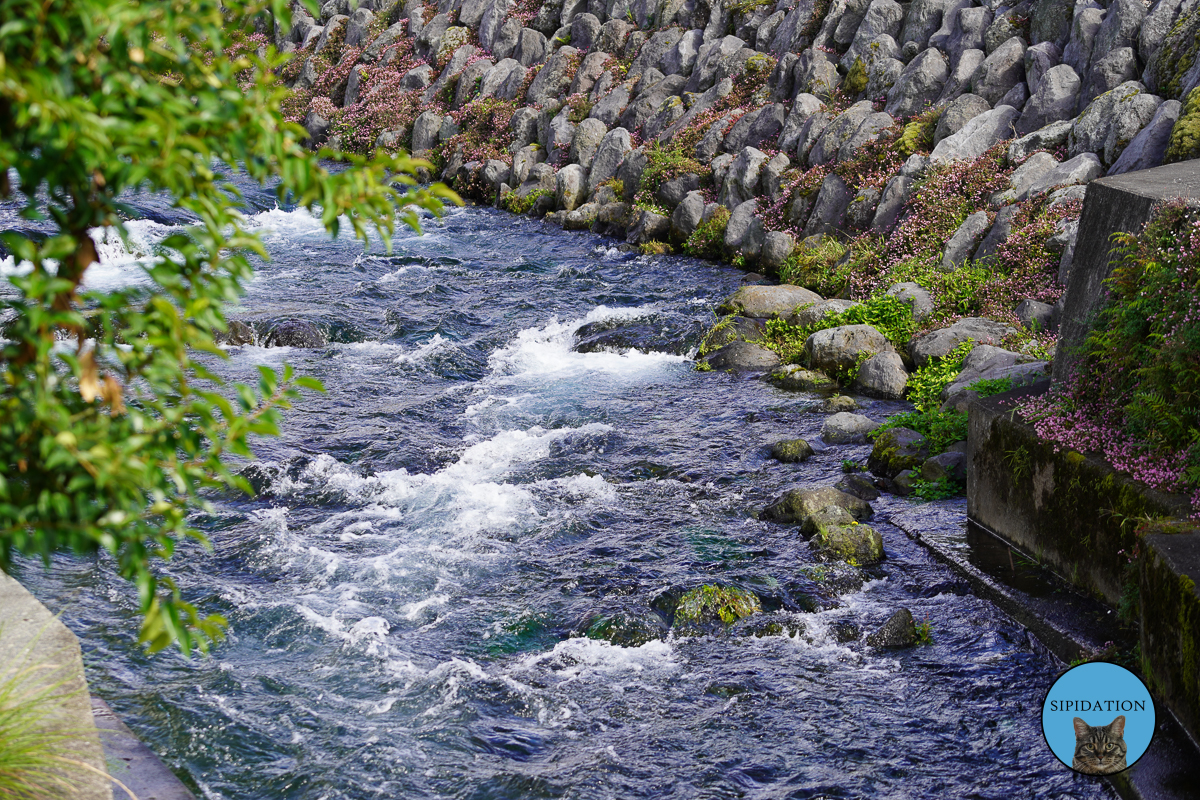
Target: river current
(407, 596)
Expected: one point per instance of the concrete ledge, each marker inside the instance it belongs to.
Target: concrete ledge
(1071, 510)
(133, 763)
(30, 636)
(1122, 203)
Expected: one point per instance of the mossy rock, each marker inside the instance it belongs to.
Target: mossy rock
(713, 607)
(730, 329)
(777, 624)
(840, 536)
(1185, 136)
(856, 79)
(897, 449)
(791, 451)
(799, 505)
(797, 378)
(626, 628)
(839, 404)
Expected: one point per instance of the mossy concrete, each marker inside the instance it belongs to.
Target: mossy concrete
(1119, 204)
(1073, 511)
(32, 637)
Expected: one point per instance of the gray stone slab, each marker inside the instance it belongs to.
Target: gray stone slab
(131, 762)
(1121, 203)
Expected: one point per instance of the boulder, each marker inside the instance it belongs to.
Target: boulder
(1047, 138)
(959, 112)
(918, 85)
(1149, 147)
(977, 136)
(867, 131)
(1055, 99)
(687, 216)
(882, 375)
(744, 233)
(829, 211)
(858, 485)
(837, 535)
(803, 107)
(571, 187)
(898, 631)
(1000, 71)
(1119, 29)
(777, 246)
(553, 80)
(895, 450)
(1040, 59)
(939, 343)
(764, 302)
(1078, 51)
(1119, 66)
(791, 451)
(810, 314)
(796, 378)
(614, 146)
(743, 356)
(1050, 21)
(295, 333)
(798, 505)
(961, 73)
(648, 226)
(839, 132)
(843, 347)
(847, 428)
(998, 235)
(741, 181)
(1079, 170)
(923, 20)
(950, 465)
(1112, 120)
(1035, 315)
(918, 299)
(895, 194)
(962, 244)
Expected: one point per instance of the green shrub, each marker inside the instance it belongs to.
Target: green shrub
(511, 201)
(991, 386)
(815, 267)
(941, 489)
(926, 384)
(940, 428)
(708, 240)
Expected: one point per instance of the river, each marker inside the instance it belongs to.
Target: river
(406, 598)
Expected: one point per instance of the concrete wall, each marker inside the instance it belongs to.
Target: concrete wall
(1123, 203)
(30, 636)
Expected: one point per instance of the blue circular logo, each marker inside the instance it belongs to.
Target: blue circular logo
(1098, 718)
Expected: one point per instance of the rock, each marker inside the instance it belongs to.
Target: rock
(882, 72)
(998, 235)
(335, 23)
(1155, 29)
(765, 302)
(961, 73)
(356, 28)
(805, 316)
(891, 203)
(791, 451)
(803, 107)
(838, 404)
(843, 347)
(796, 378)
(554, 78)
(1120, 28)
(898, 631)
(950, 465)
(1040, 59)
(847, 428)
(1111, 121)
(829, 210)
(940, 342)
(682, 57)
(1000, 71)
(1119, 66)
(861, 211)
(838, 536)
(977, 136)
(715, 60)
(743, 356)
(810, 133)
(919, 84)
(687, 216)
(964, 241)
(295, 333)
(582, 218)
(923, 20)
(1079, 170)
(585, 30)
(858, 485)
(1035, 315)
(903, 482)
(741, 181)
(1149, 147)
(767, 126)
(1046, 138)
(317, 128)
(777, 246)
(589, 72)
(1078, 52)
(883, 17)
(672, 192)
(571, 187)
(882, 375)
(1051, 21)
(652, 52)
(647, 227)
(612, 219)
(772, 181)
(839, 132)
(238, 333)
(919, 300)
(958, 113)
(744, 233)
(798, 505)
(733, 329)
(613, 148)
(867, 131)
(990, 363)
(1055, 99)
(897, 449)
(1005, 25)
(1029, 173)
(561, 133)
(586, 141)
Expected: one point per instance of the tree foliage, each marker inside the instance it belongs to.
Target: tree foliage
(111, 430)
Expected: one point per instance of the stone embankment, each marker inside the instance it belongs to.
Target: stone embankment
(854, 147)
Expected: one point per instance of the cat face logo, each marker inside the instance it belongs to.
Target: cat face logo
(1098, 718)
(1100, 749)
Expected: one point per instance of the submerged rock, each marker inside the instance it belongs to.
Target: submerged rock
(898, 631)
(836, 534)
(796, 377)
(295, 333)
(791, 451)
(798, 505)
(712, 607)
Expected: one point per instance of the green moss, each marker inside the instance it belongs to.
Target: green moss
(856, 79)
(708, 240)
(1177, 54)
(1185, 136)
(655, 248)
(710, 603)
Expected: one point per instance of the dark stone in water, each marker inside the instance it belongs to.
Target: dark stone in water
(657, 335)
(626, 627)
(858, 485)
(792, 451)
(295, 333)
(898, 631)
(239, 333)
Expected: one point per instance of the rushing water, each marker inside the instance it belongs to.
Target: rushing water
(405, 599)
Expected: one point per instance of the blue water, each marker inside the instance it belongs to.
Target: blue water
(406, 599)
